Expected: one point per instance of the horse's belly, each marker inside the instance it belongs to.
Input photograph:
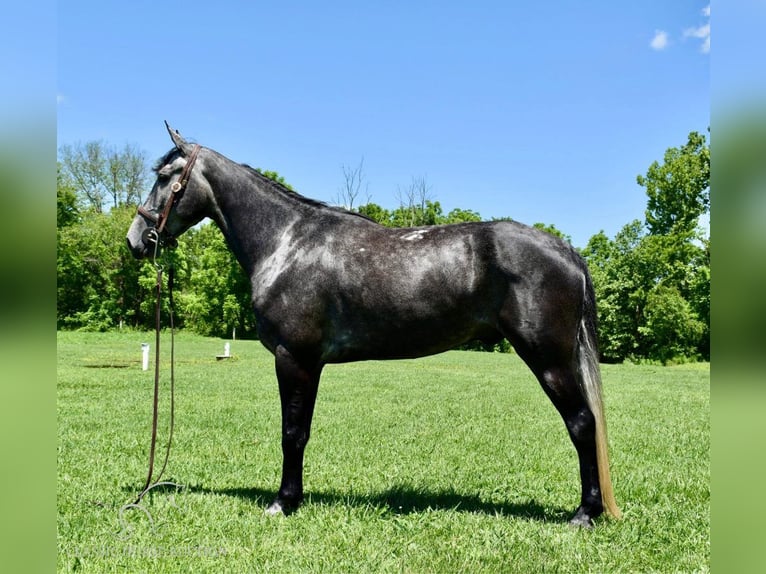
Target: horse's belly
(405, 332)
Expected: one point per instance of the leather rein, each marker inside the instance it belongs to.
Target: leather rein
(158, 234)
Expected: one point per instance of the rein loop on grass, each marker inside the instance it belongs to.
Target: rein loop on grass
(149, 485)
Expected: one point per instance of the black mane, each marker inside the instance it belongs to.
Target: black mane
(294, 195)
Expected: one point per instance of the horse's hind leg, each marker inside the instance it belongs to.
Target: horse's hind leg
(560, 384)
(551, 360)
(298, 385)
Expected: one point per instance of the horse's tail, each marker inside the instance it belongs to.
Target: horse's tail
(590, 385)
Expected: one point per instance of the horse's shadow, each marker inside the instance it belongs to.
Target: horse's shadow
(401, 500)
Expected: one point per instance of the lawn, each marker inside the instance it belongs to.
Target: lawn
(452, 463)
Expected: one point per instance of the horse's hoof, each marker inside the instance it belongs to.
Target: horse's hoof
(584, 516)
(275, 509)
(282, 506)
(581, 521)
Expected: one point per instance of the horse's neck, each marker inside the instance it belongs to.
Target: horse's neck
(251, 216)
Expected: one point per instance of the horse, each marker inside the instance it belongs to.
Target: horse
(332, 286)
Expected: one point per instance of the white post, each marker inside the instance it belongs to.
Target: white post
(145, 356)
(226, 350)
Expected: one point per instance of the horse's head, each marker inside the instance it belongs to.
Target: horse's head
(179, 199)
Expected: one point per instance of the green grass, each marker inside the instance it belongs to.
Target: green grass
(453, 463)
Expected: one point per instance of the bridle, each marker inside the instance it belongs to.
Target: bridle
(158, 234)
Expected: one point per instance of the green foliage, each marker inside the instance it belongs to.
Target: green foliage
(67, 209)
(375, 212)
(273, 175)
(415, 215)
(458, 215)
(553, 230)
(678, 190)
(215, 299)
(502, 346)
(653, 281)
(99, 284)
(429, 213)
(670, 326)
(638, 275)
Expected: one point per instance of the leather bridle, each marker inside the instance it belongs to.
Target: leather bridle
(158, 233)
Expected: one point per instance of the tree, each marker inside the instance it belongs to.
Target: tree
(216, 298)
(128, 171)
(458, 215)
(376, 213)
(349, 191)
(678, 190)
(670, 325)
(99, 283)
(99, 173)
(553, 230)
(67, 209)
(614, 279)
(274, 176)
(415, 205)
(415, 215)
(647, 286)
(653, 280)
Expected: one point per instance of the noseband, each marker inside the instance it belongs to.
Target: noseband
(158, 232)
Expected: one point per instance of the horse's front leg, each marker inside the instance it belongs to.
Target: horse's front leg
(298, 384)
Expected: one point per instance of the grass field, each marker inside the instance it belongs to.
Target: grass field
(453, 463)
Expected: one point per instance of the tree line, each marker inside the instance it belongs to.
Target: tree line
(652, 280)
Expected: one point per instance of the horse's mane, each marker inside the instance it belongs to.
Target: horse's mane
(165, 159)
(295, 196)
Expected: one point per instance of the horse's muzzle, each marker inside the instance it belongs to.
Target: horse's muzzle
(140, 250)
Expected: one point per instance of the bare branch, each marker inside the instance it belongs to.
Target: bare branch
(353, 179)
(100, 172)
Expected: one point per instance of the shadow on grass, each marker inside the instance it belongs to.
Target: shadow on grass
(403, 500)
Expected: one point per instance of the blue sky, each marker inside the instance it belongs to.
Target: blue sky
(544, 112)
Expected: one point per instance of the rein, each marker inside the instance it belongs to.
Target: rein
(155, 409)
(149, 485)
(158, 235)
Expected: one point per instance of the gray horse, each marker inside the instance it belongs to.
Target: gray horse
(331, 286)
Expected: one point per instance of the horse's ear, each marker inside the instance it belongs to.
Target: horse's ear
(183, 146)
